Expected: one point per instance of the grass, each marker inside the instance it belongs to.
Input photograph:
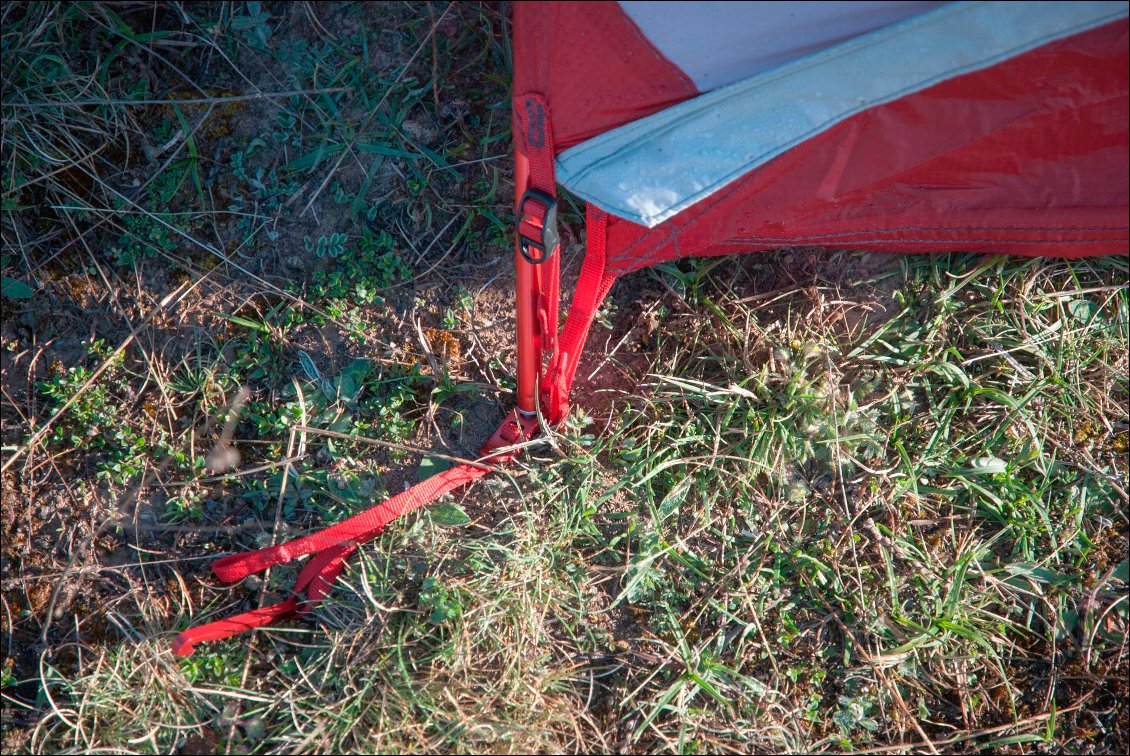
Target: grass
(815, 502)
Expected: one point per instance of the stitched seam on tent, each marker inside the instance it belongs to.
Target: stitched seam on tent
(974, 228)
(879, 240)
(794, 240)
(861, 237)
(618, 265)
(738, 241)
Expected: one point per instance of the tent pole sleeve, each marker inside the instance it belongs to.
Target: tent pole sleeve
(529, 333)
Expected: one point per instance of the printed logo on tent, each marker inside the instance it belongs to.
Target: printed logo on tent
(535, 117)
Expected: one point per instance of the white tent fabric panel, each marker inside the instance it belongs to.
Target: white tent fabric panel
(656, 167)
(718, 43)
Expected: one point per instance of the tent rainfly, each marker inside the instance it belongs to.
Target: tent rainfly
(712, 128)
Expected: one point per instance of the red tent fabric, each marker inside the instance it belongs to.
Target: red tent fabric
(1002, 130)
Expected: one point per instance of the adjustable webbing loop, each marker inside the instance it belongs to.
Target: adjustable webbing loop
(536, 227)
(315, 580)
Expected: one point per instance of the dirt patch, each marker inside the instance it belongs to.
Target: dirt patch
(241, 235)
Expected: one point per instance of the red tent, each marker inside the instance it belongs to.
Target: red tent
(715, 128)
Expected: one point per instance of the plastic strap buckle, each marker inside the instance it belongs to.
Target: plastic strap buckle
(537, 226)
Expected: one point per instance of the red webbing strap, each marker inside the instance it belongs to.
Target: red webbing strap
(534, 138)
(315, 580)
(549, 285)
(333, 545)
(592, 287)
(360, 527)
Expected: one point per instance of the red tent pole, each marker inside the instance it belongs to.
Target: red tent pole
(529, 335)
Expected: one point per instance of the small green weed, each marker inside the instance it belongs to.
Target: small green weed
(100, 424)
(361, 272)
